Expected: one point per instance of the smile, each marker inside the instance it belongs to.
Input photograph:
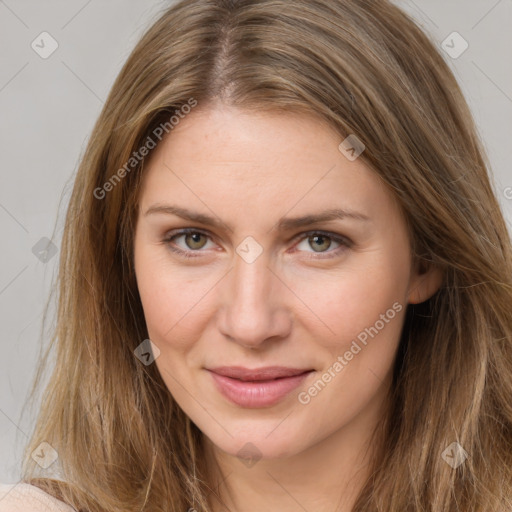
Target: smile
(257, 388)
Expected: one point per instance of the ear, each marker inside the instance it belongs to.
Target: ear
(425, 282)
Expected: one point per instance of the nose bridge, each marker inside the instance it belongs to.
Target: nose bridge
(251, 284)
(253, 308)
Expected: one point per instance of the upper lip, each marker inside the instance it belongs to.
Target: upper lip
(256, 374)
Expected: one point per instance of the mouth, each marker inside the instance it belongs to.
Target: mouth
(257, 388)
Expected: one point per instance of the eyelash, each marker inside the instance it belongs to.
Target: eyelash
(345, 243)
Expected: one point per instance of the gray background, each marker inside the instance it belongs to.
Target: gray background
(48, 108)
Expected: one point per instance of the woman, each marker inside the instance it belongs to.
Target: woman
(285, 281)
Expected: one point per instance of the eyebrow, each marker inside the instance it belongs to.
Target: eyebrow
(284, 224)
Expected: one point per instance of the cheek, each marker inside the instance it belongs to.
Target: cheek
(367, 319)
(174, 302)
(347, 303)
(365, 306)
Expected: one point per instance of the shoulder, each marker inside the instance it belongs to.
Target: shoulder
(23, 497)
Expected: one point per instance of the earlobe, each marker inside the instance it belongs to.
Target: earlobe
(425, 284)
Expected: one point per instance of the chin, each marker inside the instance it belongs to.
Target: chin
(258, 440)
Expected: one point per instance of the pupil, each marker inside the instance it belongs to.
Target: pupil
(196, 239)
(319, 238)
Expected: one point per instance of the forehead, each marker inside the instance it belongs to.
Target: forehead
(255, 162)
(226, 135)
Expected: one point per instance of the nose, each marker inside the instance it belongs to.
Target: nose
(254, 309)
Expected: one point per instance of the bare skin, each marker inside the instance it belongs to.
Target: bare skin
(301, 303)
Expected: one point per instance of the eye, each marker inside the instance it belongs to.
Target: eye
(195, 240)
(321, 242)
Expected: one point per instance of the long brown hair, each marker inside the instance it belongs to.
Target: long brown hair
(367, 69)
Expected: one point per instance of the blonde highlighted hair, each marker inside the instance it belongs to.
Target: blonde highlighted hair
(367, 69)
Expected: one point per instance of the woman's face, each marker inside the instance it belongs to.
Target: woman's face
(314, 307)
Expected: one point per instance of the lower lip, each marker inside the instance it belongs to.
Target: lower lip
(254, 394)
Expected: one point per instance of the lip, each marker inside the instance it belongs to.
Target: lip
(257, 388)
